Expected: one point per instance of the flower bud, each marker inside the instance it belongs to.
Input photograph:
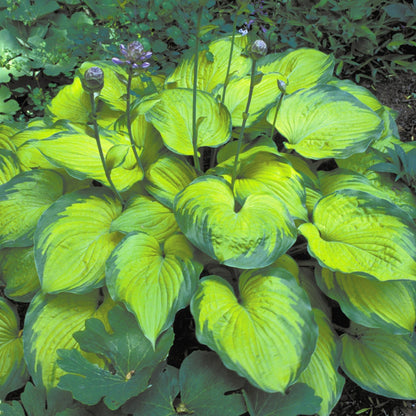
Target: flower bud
(93, 79)
(282, 86)
(258, 49)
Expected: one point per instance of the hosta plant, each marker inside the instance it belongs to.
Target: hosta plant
(239, 186)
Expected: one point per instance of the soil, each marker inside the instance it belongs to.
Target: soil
(398, 93)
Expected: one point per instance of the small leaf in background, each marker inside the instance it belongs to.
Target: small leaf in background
(73, 241)
(240, 233)
(7, 107)
(129, 356)
(299, 399)
(206, 388)
(356, 232)
(13, 371)
(246, 329)
(22, 201)
(380, 362)
(154, 279)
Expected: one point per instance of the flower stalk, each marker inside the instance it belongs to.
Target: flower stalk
(194, 93)
(282, 87)
(258, 49)
(93, 82)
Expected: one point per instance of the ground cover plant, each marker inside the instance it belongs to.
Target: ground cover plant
(255, 190)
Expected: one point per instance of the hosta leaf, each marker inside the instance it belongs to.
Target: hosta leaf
(355, 232)
(71, 103)
(390, 306)
(253, 236)
(381, 363)
(77, 153)
(29, 155)
(9, 165)
(211, 73)
(153, 279)
(18, 272)
(299, 399)
(202, 382)
(265, 172)
(265, 94)
(146, 215)
(13, 372)
(49, 324)
(324, 121)
(129, 355)
(172, 117)
(22, 201)
(363, 94)
(380, 187)
(73, 241)
(304, 68)
(266, 335)
(167, 177)
(322, 372)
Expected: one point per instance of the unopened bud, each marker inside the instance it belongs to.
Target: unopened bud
(282, 86)
(258, 49)
(93, 79)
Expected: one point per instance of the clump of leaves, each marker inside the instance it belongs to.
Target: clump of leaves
(238, 185)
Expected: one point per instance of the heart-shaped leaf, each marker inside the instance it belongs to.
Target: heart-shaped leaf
(380, 362)
(211, 72)
(73, 241)
(265, 172)
(13, 371)
(9, 165)
(253, 236)
(49, 324)
(22, 201)
(265, 94)
(266, 335)
(153, 279)
(322, 372)
(144, 214)
(167, 177)
(18, 272)
(172, 117)
(355, 232)
(390, 305)
(324, 121)
(303, 68)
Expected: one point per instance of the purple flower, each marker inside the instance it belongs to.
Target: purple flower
(135, 56)
(258, 11)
